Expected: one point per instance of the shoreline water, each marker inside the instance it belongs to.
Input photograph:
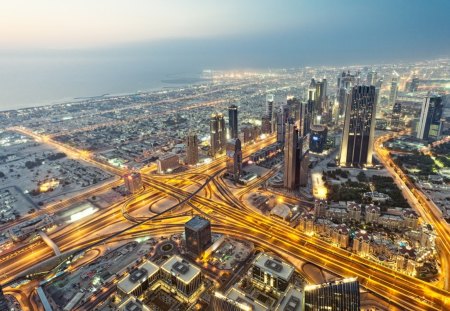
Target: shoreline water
(163, 84)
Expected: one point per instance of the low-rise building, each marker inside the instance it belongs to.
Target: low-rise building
(271, 274)
(167, 163)
(139, 280)
(182, 277)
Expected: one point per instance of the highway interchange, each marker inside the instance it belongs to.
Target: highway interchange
(229, 215)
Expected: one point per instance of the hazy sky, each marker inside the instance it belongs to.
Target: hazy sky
(69, 24)
(53, 49)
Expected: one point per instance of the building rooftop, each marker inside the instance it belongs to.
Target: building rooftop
(137, 276)
(274, 266)
(244, 301)
(181, 268)
(197, 223)
(132, 304)
(166, 156)
(291, 301)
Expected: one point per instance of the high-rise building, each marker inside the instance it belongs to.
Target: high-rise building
(394, 89)
(218, 134)
(320, 99)
(395, 119)
(295, 159)
(282, 116)
(270, 99)
(344, 83)
(318, 138)
(430, 122)
(291, 157)
(337, 296)
(414, 85)
(371, 77)
(359, 127)
(233, 121)
(167, 163)
(198, 235)
(191, 149)
(377, 91)
(266, 125)
(234, 158)
(133, 182)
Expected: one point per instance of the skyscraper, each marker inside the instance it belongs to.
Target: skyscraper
(371, 77)
(395, 119)
(414, 85)
(233, 121)
(394, 88)
(318, 138)
(234, 158)
(282, 116)
(191, 149)
(218, 134)
(344, 83)
(295, 160)
(320, 100)
(291, 163)
(270, 98)
(430, 123)
(359, 127)
(198, 235)
(337, 296)
(266, 125)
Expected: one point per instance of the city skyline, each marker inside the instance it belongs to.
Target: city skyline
(225, 156)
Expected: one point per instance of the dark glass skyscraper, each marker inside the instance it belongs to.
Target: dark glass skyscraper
(218, 134)
(198, 235)
(337, 296)
(318, 138)
(233, 121)
(359, 127)
(234, 158)
(430, 122)
(395, 119)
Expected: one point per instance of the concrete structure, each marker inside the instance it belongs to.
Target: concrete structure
(359, 127)
(139, 280)
(182, 277)
(191, 149)
(271, 274)
(337, 296)
(198, 235)
(133, 182)
(218, 134)
(430, 123)
(167, 163)
(291, 301)
(234, 158)
(320, 207)
(132, 304)
(372, 213)
(233, 128)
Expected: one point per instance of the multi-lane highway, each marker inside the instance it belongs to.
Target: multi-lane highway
(230, 215)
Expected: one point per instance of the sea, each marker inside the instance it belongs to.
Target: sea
(31, 81)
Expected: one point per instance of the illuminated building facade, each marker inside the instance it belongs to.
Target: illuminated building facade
(133, 182)
(430, 122)
(218, 134)
(318, 138)
(234, 158)
(359, 127)
(233, 128)
(191, 149)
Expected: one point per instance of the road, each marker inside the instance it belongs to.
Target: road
(230, 216)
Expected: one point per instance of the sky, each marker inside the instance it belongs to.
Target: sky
(67, 48)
